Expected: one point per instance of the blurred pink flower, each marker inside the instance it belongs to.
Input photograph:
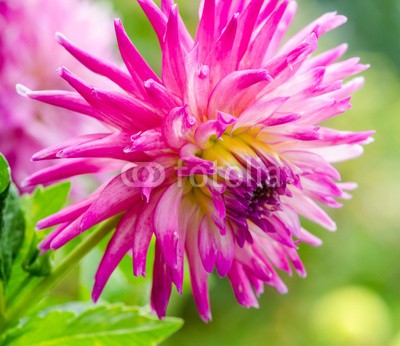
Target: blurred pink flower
(227, 148)
(29, 54)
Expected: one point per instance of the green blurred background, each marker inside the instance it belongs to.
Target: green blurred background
(351, 294)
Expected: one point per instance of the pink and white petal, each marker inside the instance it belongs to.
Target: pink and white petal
(281, 29)
(176, 126)
(156, 17)
(206, 30)
(97, 65)
(256, 52)
(70, 169)
(143, 231)
(241, 286)
(111, 146)
(138, 68)
(173, 64)
(198, 277)
(69, 213)
(308, 238)
(322, 25)
(344, 69)
(162, 284)
(327, 57)
(45, 244)
(161, 98)
(311, 162)
(71, 231)
(338, 153)
(230, 89)
(246, 22)
(51, 152)
(118, 110)
(116, 197)
(215, 249)
(166, 225)
(307, 208)
(259, 112)
(296, 261)
(64, 99)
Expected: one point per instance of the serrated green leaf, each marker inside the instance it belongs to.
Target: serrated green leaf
(88, 325)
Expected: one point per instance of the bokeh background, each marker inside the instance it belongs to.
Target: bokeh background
(351, 294)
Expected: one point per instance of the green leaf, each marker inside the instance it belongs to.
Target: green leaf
(11, 233)
(86, 325)
(5, 180)
(40, 204)
(12, 225)
(5, 176)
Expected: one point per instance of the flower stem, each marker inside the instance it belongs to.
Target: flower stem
(2, 304)
(34, 296)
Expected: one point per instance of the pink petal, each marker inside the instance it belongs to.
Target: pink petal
(161, 288)
(119, 245)
(173, 64)
(310, 210)
(206, 30)
(170, 237)
(51, 152)
(230, 89)
(137, 66)
(176, 126)
(69, 213)
(116, 197)
(215, 249)
(63, 99)
(259, 112)
(143, 231)
(97, 65)
(70, 169)
(241, 286)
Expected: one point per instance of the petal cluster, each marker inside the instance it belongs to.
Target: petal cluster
(28, 54)
(219, 156)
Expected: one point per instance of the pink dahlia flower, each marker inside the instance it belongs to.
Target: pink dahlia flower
(220, 155)
(29, 54)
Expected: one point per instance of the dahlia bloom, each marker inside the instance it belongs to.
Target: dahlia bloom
(28, 54)
(218, 157)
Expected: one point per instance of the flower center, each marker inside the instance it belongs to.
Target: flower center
(255, 178)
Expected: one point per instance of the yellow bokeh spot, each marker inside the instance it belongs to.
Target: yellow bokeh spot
(353, 316)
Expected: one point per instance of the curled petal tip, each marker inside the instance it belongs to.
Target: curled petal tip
(332, 227)
(281, 288)
(25, 183)
(174, 9)
(206, 317)
(55, 245)
(96, 293)
(37, 156)
(148, 83)
(61, 70)
(22, 90)
(59, 37)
